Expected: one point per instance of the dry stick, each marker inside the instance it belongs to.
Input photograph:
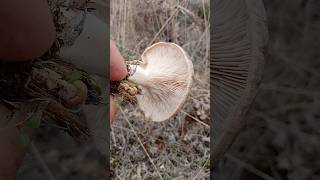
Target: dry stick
(155, 13)
(196, 119)
(204, 13)
(41, 161)
(199, 41)
(124, 16)
(122, 128)
(140, 142)
(249, 167)
(195, 18)
(113, 138)
(164, 25)
(173, 31)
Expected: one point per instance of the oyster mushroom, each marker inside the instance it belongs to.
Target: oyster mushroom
(164, 78)
(238, 39)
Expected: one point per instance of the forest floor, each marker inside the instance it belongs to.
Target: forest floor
(177, 148)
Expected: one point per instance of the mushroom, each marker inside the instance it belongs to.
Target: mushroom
(238, 38)
(164, 78)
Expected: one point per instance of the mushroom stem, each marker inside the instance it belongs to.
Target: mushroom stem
(124, 88)
(124, 91)
(139, 76)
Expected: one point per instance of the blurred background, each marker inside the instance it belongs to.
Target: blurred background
(54, 154)
(177, 148)
(281, 137)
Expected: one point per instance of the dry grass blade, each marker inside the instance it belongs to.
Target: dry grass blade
(141, 144)
(174, 13)
(196, 119)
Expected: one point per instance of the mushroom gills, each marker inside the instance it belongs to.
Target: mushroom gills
(164, 79)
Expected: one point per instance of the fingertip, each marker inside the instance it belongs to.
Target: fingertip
(117, 74)
(118, 68)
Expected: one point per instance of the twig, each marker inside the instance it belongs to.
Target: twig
(119, 127)
(164, 25)
(200, 41)
(196, 119)
(186, 11)
(114, 138)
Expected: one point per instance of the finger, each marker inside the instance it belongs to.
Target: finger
(118, 69)
(22, 39)
(113, 109)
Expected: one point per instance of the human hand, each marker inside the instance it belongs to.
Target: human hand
(21, 39)
(118, 71)
(27, 30)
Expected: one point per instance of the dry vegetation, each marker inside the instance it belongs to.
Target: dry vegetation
(179, 147)
(281, 138)
(54, 154)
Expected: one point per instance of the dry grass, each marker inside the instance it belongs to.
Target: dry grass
(179, 147)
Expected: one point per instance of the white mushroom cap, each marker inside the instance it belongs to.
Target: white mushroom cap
(164, 78)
